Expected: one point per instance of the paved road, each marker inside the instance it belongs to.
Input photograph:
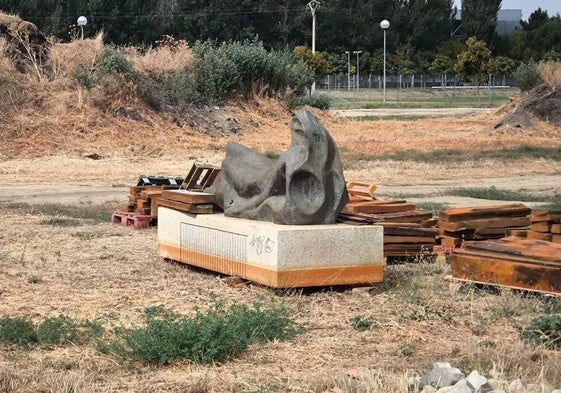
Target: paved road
(420, 112)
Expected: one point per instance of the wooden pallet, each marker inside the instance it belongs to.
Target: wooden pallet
(135, 220)
(361, 189)
(200, 176)
(511, 262)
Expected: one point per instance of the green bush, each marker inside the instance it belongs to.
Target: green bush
(83, 77)
(60, 330)
(239, 68)
(17, 330)
(113, 62)
(320, 101)
(544, 330)
(57, 330)
(213, 336)
(527, 76)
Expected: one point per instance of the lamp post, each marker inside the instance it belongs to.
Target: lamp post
(348, 70)
(313, 6)
(385, 25)
(357, 52)
(82, 21)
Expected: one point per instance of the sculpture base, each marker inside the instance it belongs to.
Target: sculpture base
(279, 256)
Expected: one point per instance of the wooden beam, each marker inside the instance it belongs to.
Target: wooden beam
(484, 212)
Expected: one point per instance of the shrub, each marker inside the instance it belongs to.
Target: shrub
(17, 330)
(544, 330)
(320, 101)
(214, 336)
(60, 330)
(527, 76)
(113, 62)
(57, 330)
(83, 77)
(241, 68)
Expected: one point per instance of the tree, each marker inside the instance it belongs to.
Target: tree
(314, 61)
(536, 19)
(400, 62)
(474, 61)
(441, 65)
(430, 22)
(479, 19)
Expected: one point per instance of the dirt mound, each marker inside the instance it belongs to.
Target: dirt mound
(542, 103)
(25, 42)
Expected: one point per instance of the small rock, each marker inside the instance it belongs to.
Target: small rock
(441, 375)
(475, 380)
(460, 387)
(556, 391)
(428, 389)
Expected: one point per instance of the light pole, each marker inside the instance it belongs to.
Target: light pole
(82, 21)
(313, 6)
(357, 52)
(385, 25)
(348, 70)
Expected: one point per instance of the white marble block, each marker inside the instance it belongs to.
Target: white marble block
(280, 256)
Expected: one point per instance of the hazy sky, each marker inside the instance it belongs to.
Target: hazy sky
(552, 7)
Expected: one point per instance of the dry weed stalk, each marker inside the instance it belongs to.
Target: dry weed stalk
(170, 55)
(64, 58)
(550, 71)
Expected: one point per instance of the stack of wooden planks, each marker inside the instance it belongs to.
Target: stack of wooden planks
(512, 262)
(142, 199)
(408, 231)
(480, 223)
(186, 201)
(545, 225)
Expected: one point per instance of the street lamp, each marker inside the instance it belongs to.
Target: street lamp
(348, 70)
(313, 6)
(82, 21)
(385, 25)
(357, 52)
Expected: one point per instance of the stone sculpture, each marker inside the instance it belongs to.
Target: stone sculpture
(304, 186)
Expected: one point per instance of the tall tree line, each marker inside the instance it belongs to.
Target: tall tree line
(420, 30)
(342, 24)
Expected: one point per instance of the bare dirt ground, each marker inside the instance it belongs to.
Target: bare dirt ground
(101, 271)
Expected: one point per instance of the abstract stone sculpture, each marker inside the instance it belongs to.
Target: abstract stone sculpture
(304, 186)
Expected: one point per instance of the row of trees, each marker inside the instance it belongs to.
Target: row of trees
(421, 39)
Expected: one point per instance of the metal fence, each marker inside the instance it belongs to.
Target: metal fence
(417, 82)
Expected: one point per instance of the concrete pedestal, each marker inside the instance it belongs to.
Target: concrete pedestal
(279, 256)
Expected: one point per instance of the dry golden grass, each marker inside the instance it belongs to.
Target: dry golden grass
(111, 273)
(550, 71)
(168, 56)
(64, 57)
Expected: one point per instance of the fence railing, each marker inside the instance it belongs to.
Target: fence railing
(370, 81)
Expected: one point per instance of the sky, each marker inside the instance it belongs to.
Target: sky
(553, 7)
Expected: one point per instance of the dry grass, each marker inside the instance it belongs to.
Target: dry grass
(114, 274)
(168, 56)
(550, 72)
(63, 58)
